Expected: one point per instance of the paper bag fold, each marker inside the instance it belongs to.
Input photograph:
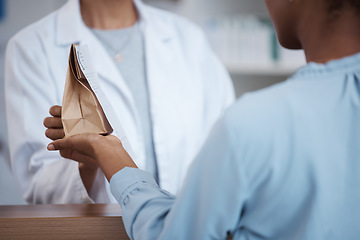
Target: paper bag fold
(81, 110)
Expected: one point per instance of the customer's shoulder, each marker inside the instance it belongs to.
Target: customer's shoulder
(262, 99)
(262, 109)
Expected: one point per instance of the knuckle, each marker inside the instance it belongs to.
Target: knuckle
(46, 122)
(59, 122)
(52, 134)
(48, 133)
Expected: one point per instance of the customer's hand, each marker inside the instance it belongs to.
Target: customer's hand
(53, 124)
(107, 151)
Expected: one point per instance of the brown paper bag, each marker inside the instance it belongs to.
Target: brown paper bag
(81, 110)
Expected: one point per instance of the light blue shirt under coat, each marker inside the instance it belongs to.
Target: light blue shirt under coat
(283, 163)
(129, 44)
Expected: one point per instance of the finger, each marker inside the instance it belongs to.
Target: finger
(55, 111)
(55, 134)
(53, 122)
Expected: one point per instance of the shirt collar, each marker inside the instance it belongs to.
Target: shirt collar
(347, 64)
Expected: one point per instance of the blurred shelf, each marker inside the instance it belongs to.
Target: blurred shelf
(262, 70)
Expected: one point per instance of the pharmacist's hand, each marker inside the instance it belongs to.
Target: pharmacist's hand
(88, 166)
(53, 124)
(107, 151)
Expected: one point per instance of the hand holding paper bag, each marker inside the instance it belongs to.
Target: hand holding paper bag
(81, 110)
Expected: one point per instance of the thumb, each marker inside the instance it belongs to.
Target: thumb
(60, 144)
(81, 143)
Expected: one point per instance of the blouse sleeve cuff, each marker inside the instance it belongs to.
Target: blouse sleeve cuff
(126, 179)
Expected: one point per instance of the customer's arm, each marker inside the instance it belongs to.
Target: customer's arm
(208, 206)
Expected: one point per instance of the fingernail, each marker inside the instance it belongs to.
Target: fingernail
(51, 147)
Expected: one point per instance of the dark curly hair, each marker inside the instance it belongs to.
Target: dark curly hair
(337, 5)
(334, 7)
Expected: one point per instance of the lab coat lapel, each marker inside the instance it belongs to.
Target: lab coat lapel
(159, 54)
(70, 15)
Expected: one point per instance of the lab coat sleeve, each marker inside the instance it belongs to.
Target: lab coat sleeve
(209, 205)
(43, 176)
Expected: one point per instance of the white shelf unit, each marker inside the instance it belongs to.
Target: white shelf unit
(226, 17)
(246, 77)
(261, 70)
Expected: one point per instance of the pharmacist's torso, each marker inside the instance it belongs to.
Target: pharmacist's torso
(179, 92)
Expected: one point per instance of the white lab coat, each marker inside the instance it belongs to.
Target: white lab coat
(188, 88)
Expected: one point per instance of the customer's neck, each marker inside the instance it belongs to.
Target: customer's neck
(325, 41)
(108, 14)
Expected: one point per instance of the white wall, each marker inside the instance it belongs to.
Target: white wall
(202, 8)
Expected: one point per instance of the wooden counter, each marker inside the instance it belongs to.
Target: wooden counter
(74, 221)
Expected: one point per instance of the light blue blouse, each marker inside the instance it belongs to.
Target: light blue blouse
(283, 163)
